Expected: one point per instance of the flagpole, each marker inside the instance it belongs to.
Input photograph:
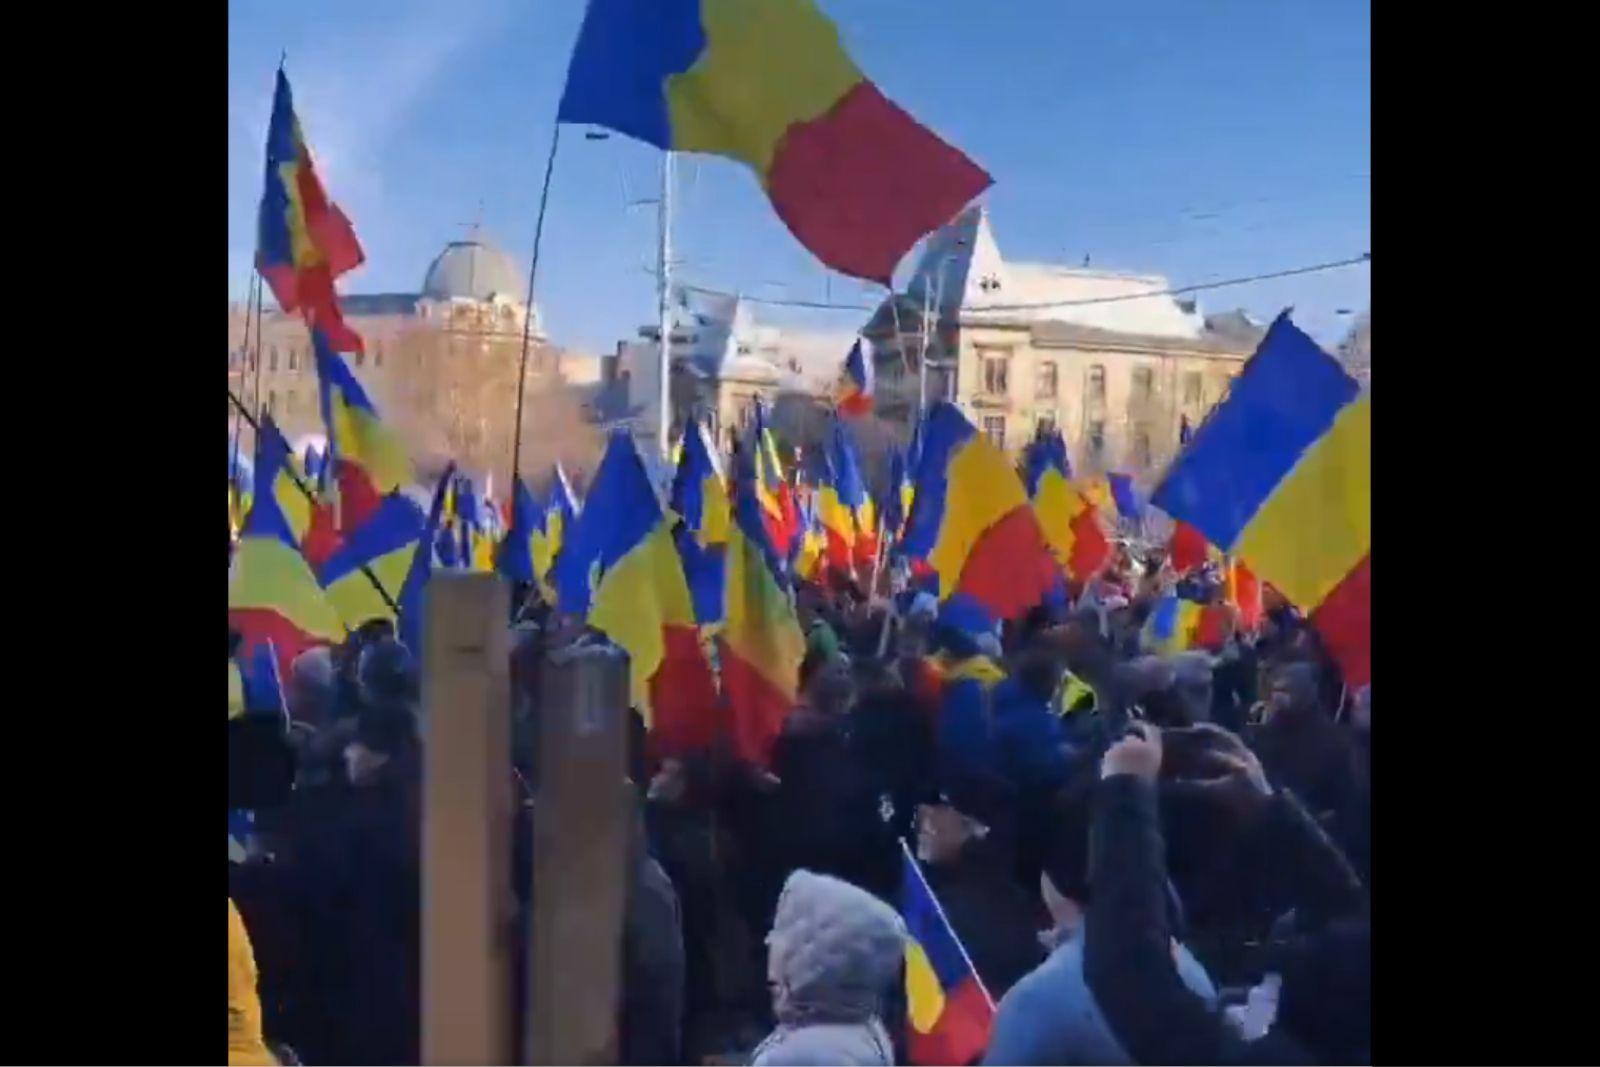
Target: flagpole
(664, 307)
(976, 977)
(527, 311)
(312, 497)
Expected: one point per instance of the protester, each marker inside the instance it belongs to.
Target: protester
(650, 1020)
(1127, 959)
(833, 952)
(1052, 1016)
(966, 843)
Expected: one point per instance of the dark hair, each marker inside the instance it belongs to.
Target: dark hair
(1064, 854)
(812, 662)
(386, 727)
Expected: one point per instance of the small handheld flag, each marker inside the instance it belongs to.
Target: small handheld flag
(948, 1011)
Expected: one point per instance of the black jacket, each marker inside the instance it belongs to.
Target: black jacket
(1127, 945)
(992, 914)
(651, 1016)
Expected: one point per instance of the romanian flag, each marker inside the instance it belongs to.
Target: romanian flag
(1124, 497)
(477, 547)
(303, 240)
(261, 683)
(856, 383)
(948, 1012)
(772, 488)
(409, 625)
(1244, 593)
(1170, 627)
(1188, 548)
(515, 558)
(844, 507)
(384, 546)
(620, 570)
(1280, 475)
(812, 547)
(972, 521)
(700, 495)
(365, 457)
(559, 515)
(900, 495)
(761, 644)
(768, 84)
(1070, 523)
(272, 593)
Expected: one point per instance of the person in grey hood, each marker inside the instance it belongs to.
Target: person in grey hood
(833, 953)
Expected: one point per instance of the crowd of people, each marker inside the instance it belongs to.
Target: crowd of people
(1147, 859)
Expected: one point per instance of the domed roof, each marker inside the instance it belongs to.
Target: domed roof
(472, 270)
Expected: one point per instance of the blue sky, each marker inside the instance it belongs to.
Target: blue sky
(1195, 140)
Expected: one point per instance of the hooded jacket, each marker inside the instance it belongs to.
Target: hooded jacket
(832, 955)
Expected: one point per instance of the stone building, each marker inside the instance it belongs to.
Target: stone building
(472, 295)
(1111, 359)
(723, 359)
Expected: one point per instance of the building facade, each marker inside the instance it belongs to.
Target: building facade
(723, 361)
(472, 297)
(1111, 359)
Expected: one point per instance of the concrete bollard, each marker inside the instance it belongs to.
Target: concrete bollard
(467, 906)
(580, 829)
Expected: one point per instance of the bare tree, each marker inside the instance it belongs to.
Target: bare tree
(455, 398)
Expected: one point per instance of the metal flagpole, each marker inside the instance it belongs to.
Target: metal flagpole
(527, 311)
(664, 307)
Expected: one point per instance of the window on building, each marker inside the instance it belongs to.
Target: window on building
(1097, 437)
(1143, 383)
(1045, 387)
(1191, 387)
(1044, 426)
(293, 358)
(1097, 382)
(1141, 447)
(361, 357)
(272, 401)
(272, 358)
(995, 375)
(377, 354)
(995, 427)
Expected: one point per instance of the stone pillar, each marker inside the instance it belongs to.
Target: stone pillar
(580, 831)
(467, 906)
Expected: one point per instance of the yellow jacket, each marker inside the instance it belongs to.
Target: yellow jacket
(245, 1045)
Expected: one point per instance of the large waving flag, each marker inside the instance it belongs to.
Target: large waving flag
(948, 1012)
(772, 488)
(620, 570)
(409, 625)
(1176, 625)
(272, 593)
(1071, 524)
(700, 495)
(384, 545)
(367, 459)
(303, 240)
(769, 85)
(1280, 475)
(1244, 593)
(761, 644)
(973, 523)
(856, 382)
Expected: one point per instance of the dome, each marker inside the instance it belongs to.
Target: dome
(472, 270)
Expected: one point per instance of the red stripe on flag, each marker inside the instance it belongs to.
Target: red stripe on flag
(1344, 619)
(962, 1032)
(757, 708)
(683, 699)
(833, 185)
(256, 625)
(1010, 568)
